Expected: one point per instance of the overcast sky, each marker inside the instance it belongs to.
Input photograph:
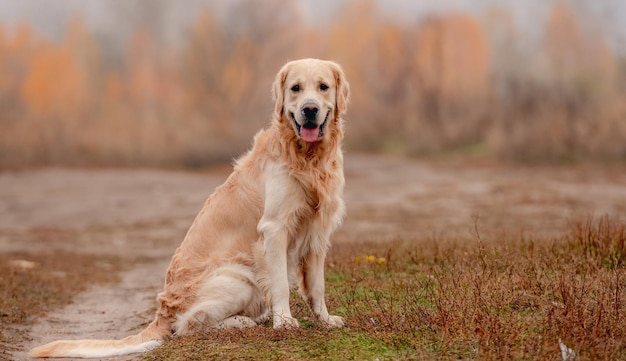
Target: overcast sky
(50, 17)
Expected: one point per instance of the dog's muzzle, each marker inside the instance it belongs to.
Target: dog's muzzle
(310, 131)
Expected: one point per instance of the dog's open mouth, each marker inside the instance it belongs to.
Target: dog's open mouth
(310, 132)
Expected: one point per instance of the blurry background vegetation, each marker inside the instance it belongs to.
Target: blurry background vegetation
(171, 83)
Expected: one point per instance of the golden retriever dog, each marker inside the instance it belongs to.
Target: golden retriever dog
(266, 229)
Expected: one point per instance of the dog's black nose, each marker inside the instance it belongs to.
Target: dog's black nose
(310, 112)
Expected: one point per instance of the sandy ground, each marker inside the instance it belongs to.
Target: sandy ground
(147, 212)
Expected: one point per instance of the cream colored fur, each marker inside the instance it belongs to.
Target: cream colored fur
(265, 230)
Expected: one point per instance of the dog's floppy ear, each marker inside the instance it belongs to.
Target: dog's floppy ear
(343, 88)
(278, 90)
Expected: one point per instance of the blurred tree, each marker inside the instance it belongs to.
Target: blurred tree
(451, 70)
(55, 83)
(5, 74)
(262, 36)
(393, 90)
(581, 73)
(224, 66)
(23, 41)
(511, 66)
(564, 41)
(452, 59)
(17, 51)
(130, 16)
(392, 63)
(352, 42)
(81, 46)
(125, 94)
(142, 67)
(204, 58)
(583, 68)
(56, 92)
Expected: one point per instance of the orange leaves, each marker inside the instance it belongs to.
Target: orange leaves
(452, 57)
(56, 79)
(575, 58)
(143, 76)
(564, 40)
(450, 80)
(237, 77)
(56, 83)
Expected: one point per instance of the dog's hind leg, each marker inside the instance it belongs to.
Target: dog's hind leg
(225, 294)
(207, 314)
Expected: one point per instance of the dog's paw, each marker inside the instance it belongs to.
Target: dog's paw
(334, 322)
(285, 322)
(236, 322)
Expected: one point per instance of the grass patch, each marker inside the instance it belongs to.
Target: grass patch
(33, 284)
(264, 343)
(439, 299)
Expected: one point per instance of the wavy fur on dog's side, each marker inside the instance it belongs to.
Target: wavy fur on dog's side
(264, 230)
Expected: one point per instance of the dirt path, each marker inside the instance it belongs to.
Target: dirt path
(116, 212)
(110, 312)
(147, 212)
(390, 198)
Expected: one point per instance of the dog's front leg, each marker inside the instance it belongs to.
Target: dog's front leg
(275, 242)
(314, 290)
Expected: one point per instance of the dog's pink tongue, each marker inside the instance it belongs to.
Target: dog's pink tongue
(309, 135)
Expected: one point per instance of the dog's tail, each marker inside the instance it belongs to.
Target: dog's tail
(148, 339)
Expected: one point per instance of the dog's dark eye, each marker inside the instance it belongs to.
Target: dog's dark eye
(295, 88)
(323, 87)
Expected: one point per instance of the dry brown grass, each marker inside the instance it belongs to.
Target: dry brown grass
(500, 298)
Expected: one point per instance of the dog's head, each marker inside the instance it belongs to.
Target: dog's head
(310, 95)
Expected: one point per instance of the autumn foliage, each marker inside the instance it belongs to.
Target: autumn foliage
(451, 82)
